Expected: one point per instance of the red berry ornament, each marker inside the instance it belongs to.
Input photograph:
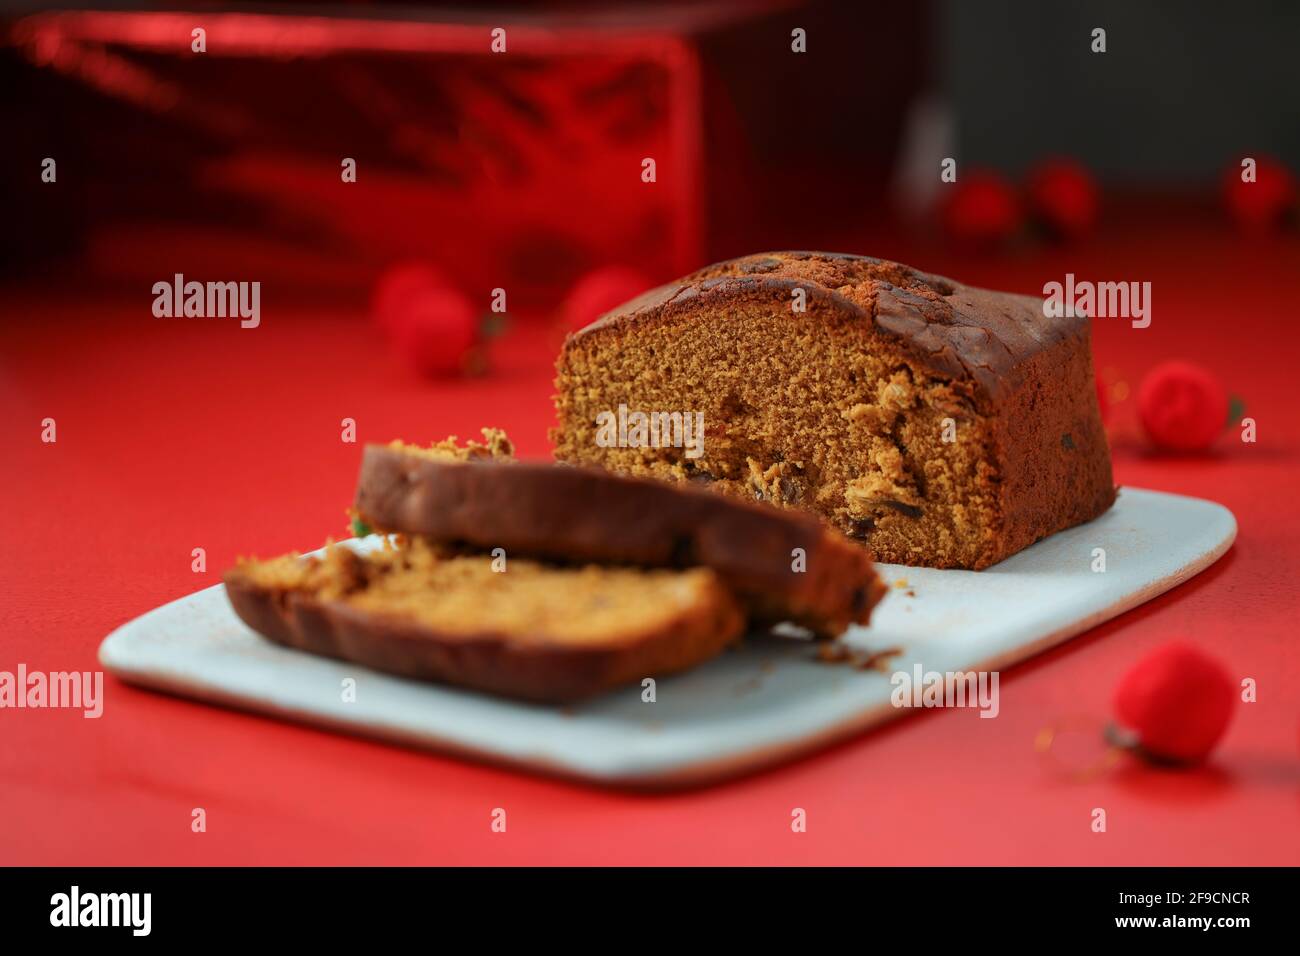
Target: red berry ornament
(601, 291)
(437, 331)
(397, 285)
(1063, 198)
(981, 208)
(1182, 406)
(1177, 702)
(1260, 206)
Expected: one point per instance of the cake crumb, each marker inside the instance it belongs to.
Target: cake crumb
(749, 686)
(837, 653)
(879, 660)
(833, 652)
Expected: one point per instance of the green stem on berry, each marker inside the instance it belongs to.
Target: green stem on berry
(1236, 409)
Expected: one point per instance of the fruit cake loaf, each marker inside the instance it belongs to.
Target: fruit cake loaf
(536, 632)
(785, 566)
(941, 425)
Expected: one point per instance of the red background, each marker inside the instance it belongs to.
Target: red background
(175, 434)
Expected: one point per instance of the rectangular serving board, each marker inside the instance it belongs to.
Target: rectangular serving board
(765, 702)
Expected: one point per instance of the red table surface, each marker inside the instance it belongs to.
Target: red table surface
(176, 434)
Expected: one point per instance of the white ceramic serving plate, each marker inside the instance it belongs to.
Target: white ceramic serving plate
(760, 704)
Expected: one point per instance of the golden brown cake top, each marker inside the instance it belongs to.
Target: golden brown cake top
(950, 329)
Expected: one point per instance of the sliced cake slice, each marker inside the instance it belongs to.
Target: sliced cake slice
(783, 565)
(521, 628)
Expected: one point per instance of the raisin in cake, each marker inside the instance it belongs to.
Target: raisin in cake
(940, 424)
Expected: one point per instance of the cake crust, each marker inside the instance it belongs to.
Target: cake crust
(899, 354)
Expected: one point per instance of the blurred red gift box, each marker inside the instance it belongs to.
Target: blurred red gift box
(521, 169)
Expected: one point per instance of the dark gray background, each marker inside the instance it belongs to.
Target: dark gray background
(1183, 90)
